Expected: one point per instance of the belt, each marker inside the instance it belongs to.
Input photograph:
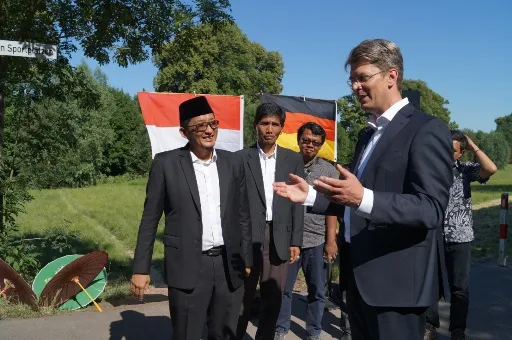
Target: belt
(215, 251)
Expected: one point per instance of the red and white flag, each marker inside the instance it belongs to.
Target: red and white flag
(161, 115)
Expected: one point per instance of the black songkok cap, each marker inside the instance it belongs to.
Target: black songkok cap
(194, 107)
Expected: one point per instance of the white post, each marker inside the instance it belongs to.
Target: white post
(502, 255)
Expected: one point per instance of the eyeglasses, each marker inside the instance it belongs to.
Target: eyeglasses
(202, 127)
(306, 141)
(361, 79)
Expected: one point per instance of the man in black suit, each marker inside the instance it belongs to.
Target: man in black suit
(207, 236)
(277, 224)
(393, 201)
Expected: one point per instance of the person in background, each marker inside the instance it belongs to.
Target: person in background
(319, 242)
(277, 224)
(458, 234)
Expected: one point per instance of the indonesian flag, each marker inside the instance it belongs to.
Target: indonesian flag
(301, 110)
(161, 115)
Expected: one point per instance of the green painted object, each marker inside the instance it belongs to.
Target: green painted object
(95, 288)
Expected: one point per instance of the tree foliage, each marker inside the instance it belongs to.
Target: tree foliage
(218, 60)
(504, 126)
(52, 143)
(493, 144)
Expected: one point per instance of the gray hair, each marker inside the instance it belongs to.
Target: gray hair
(382, 53)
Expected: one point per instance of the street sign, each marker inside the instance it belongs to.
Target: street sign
(28, 49)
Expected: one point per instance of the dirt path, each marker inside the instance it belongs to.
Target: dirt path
(487, 204)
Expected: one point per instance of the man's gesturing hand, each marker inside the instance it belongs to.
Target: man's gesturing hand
(347, 191)
(295, 190)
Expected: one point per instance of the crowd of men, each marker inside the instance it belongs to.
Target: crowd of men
(236, 220)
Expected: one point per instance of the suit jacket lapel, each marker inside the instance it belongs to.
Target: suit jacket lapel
(282, 171)
(190, 176)
(281, 174)
(224, 175)
(361, 146)
(255, 167)
(396, 125)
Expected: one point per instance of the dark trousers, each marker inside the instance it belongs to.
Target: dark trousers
(458, 263)
(270, 270)
(213, 300)
(313, 266)
(380, 323)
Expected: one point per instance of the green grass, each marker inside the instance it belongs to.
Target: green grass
(500, 182)
(107, 218)
(115, 290)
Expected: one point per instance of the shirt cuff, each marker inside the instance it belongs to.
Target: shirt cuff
(310, 199)
(366, 206)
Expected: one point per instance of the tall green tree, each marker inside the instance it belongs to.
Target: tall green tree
(431, 102)
(121, 31)
(504, 126)
(218, 60)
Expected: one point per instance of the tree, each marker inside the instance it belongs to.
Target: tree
(504, 126)
(218, 60)
(431, 102)
(493, 145)
(123, 31)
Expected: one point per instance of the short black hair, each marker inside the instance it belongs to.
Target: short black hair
(316, 129)
(269, 109)
(458, 136)
(184, 123)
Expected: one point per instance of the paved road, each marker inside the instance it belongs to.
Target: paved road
(490, 317)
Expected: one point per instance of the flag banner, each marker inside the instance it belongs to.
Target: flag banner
(161, 116)
(300, 110)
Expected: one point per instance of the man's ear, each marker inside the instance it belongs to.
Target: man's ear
(183, 132)
(392, 77)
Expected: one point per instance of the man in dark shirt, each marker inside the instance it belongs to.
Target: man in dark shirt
(458, 234)
(319, 243)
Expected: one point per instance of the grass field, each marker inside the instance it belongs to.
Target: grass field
(107, 217)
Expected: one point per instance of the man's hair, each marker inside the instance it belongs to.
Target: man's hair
(382, 53)
(184, 123)
(458, 136)
(269, 109)
(316, 129)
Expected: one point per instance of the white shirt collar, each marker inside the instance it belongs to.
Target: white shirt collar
(263, 155)
(208, 162)
(388, 115)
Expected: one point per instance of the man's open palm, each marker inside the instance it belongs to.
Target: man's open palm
(295, 190)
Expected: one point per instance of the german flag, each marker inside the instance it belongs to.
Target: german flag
(300, 110)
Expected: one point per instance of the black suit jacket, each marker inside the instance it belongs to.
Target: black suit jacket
(287, 218)
(395, 253)
(172, 189)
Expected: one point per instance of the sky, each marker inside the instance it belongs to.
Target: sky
(461, 49)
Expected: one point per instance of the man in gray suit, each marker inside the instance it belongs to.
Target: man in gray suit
(277, 224)
(207, 235)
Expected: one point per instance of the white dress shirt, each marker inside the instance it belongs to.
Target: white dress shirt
(268, 170)
(207, 179)
(379, 124)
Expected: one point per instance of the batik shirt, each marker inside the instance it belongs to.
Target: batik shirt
(458, 221)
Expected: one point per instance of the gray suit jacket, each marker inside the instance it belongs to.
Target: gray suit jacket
(172, 189)
(287, 217)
